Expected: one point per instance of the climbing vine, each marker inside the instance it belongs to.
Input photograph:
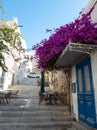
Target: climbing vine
(82, 30)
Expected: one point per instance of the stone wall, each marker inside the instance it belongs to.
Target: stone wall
(58, 82)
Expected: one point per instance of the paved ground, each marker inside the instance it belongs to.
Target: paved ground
(28, 97)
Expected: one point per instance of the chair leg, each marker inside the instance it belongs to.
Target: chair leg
(0, 100)
(6, 99)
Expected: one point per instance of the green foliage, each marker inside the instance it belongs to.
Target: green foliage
(2, 49)
(9, 37)
(3, 11)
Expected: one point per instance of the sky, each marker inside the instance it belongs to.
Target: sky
(38, 15)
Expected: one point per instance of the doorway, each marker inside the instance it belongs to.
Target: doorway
(86, 101)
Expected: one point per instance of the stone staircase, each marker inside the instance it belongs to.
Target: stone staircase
(26, 114)
(29, 81)
(35, 118)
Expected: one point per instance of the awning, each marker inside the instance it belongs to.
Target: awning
(74, 52)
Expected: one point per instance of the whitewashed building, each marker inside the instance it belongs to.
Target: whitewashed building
(83, 80)
(11, 76)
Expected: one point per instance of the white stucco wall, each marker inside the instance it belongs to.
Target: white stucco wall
(7, 80)
(8, 75)
(94, 74)
(11, 64)
(90, 4)
(74, 102)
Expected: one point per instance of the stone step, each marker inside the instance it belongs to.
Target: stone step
(38, 108)
(36, 126)
(31, 128)
(33, 113)
(29, 81)
(36, 119)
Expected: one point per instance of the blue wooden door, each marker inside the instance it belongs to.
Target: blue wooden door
(86, 101)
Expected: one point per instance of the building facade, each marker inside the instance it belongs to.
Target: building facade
(11, 76)
(84, 75)
(82, 60)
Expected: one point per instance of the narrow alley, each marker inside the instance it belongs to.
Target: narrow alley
(24, 113)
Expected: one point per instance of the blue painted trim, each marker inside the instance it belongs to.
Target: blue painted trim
(86, 98)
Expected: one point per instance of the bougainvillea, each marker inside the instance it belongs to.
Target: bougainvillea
(82, 30)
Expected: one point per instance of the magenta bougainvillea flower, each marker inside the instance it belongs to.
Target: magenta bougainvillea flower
(82, 30)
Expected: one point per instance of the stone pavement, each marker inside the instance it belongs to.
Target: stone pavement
(24, 113)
